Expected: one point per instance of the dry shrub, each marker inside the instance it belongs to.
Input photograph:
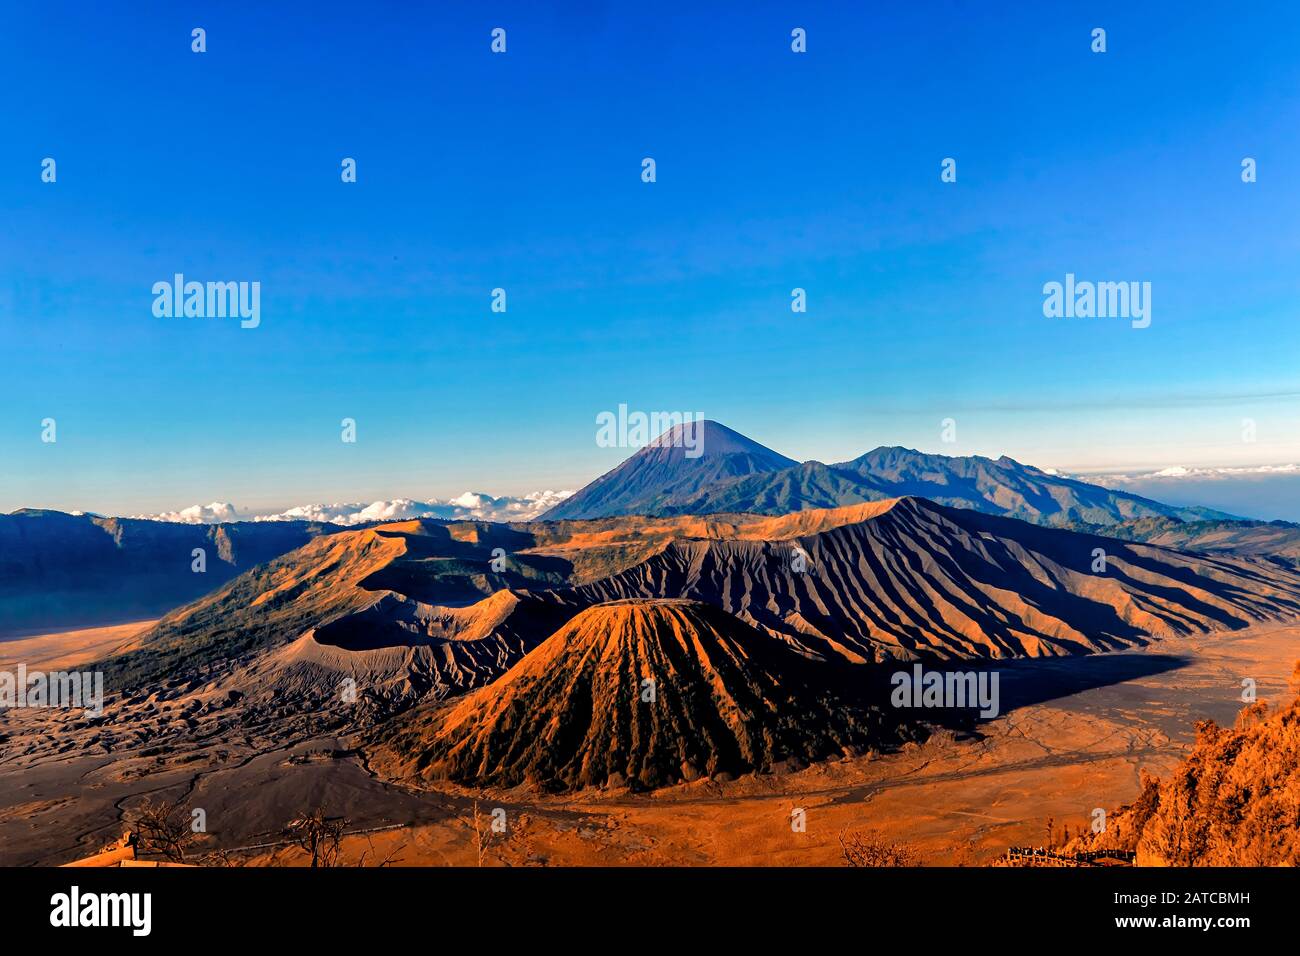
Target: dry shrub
(866, 848)
(319, 836)
(162, 829)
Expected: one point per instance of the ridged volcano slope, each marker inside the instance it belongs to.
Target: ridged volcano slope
(919, 578)
(642, 693)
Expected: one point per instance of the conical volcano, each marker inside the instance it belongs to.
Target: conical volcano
(678, 464)
(643, 693)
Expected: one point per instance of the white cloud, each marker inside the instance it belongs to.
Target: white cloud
(1176, 472)
(471, 505)
(214, 513)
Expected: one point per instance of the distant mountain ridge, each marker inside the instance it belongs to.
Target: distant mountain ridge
(62, 570)
(1278, 541)
(734, 474)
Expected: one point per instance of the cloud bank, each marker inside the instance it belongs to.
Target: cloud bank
(471, 505)
(214, 513)
(1177, 472)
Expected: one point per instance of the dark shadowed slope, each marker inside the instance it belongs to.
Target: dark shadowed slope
(643, 693)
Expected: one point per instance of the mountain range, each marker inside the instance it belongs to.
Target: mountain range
(749, 624)
(733, 474)
(60, 570)
(897, 579)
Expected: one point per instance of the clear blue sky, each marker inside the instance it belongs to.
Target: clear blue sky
(775, 170)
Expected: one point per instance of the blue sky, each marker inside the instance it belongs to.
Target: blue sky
(522, 171)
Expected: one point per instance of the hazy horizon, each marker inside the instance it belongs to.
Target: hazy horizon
(1257, 492)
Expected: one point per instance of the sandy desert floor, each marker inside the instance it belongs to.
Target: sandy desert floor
(64, 649)
(1077, 735)
(1073, 736)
